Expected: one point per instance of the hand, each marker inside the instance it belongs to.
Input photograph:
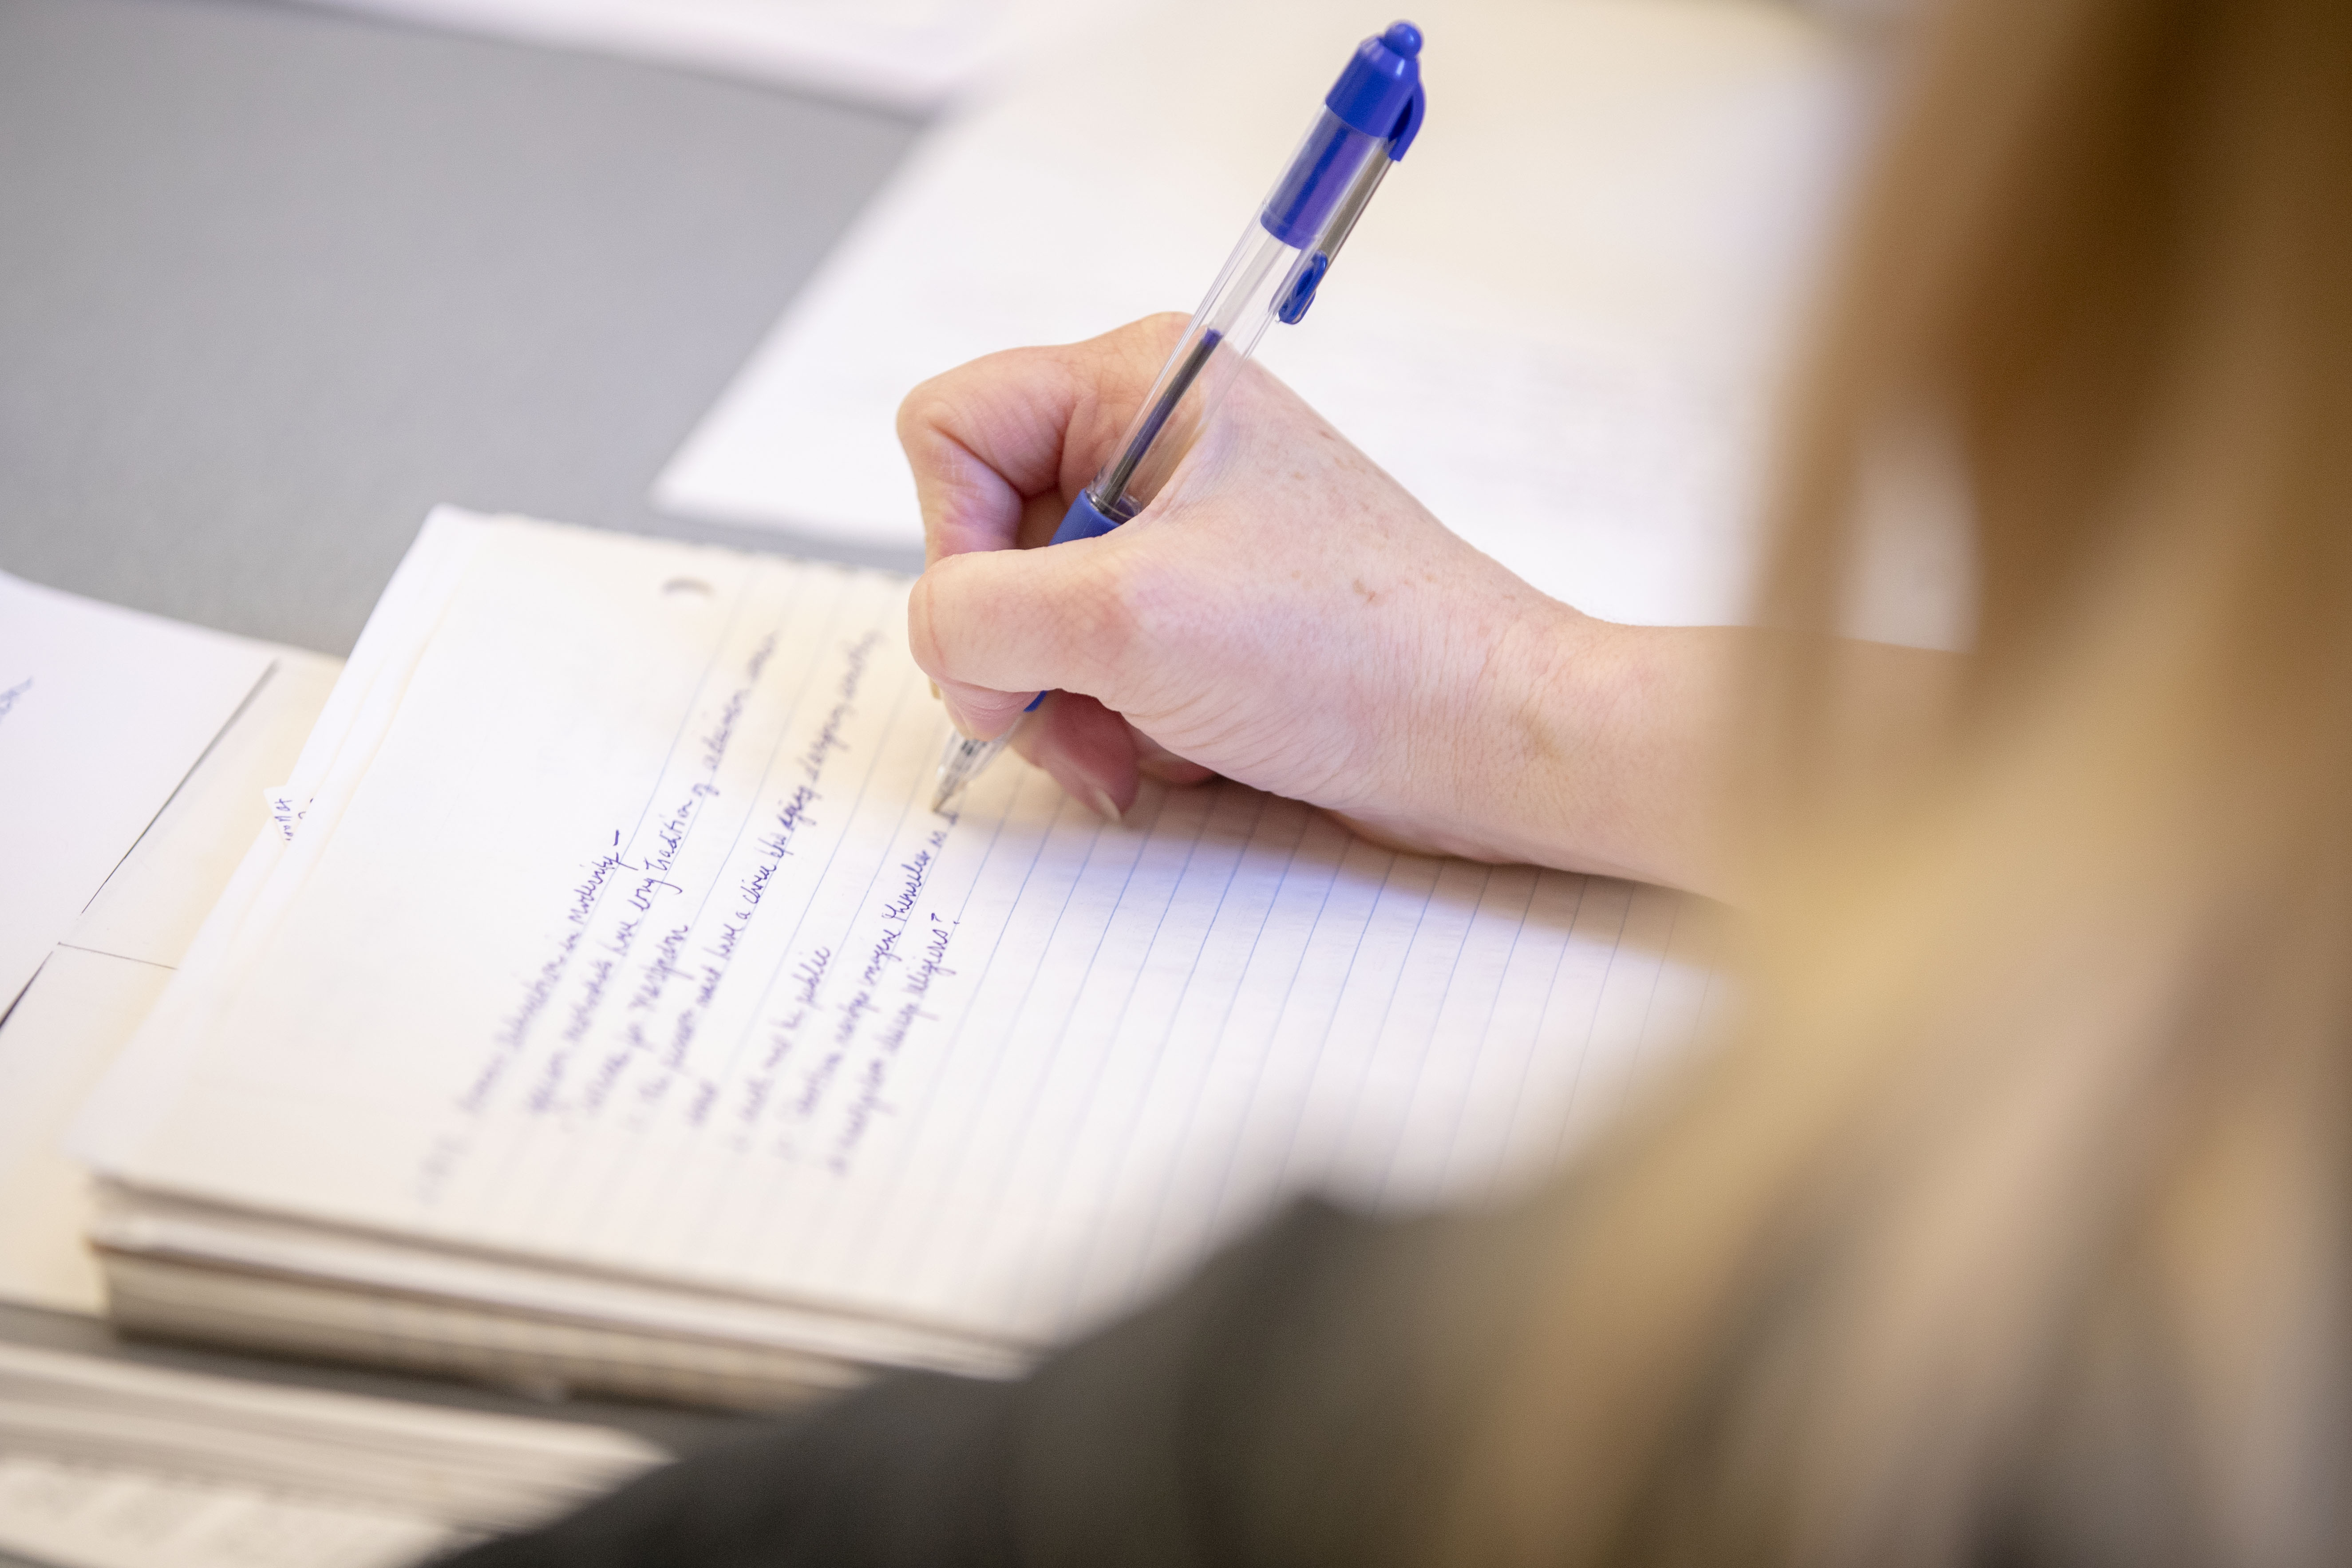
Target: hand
(1283, 614)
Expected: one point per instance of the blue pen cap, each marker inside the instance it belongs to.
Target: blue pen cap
(1374, 108)
(1378, 93)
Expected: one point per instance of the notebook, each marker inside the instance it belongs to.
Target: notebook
(607, 1008)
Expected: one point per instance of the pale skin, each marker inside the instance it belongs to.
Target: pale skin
(1283, 614)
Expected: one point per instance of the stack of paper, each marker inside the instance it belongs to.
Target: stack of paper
(130, 804)
(616, 1013)
(65, 1514)
(112, 1462)
(130, 927)
(129, 748)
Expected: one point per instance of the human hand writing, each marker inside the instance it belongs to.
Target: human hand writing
(1283, 614)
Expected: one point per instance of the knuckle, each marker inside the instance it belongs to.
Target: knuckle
(1162, 328)
(1157, 332)
(923, 616)
(1128, 602)
(921, 410)
(919, 642)
(1138, 349)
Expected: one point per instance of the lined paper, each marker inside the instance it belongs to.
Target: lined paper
(627, 941)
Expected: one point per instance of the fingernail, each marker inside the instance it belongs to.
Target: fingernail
(1101, 800)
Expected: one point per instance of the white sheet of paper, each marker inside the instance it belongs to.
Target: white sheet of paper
(622, 937)
(99, 983)
(1559, 325)
(103, 713)
(910, 55)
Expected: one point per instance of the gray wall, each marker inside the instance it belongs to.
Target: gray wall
(274, 279)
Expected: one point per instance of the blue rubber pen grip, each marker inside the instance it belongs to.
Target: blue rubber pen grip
(1083, 520)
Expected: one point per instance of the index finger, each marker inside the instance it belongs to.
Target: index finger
(1020, 432)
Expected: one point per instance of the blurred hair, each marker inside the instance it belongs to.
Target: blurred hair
(2011, 1223)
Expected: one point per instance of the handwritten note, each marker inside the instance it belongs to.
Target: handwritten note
(634, 945)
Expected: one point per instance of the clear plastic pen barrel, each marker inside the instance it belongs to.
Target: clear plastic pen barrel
(1272, 275)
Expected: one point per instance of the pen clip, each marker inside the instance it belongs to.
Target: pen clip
(1370, 117)
(1407, 123)
(1299, 292)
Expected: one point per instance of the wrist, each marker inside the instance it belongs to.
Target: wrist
(1594, 747)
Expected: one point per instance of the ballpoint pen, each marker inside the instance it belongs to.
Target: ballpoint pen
(1368, 121)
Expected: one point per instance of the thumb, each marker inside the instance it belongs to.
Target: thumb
(995, 627)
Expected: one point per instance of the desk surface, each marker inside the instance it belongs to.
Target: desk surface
(274, 279)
